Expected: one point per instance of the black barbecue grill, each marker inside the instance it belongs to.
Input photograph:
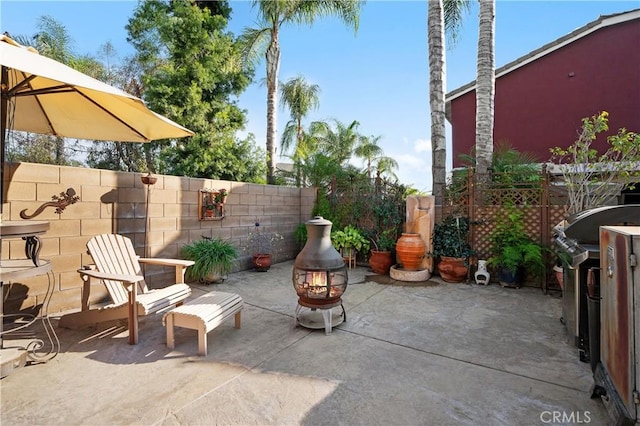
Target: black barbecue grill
(576, 241)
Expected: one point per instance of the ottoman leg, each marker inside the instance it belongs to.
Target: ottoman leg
(238, 319)
(202, 340)
(170, 339)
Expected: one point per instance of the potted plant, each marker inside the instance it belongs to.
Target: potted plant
(451, 246)
(214, 258)
(262, 245)
(381, 256)
(513, 251)
(209, 207)
(349, 241)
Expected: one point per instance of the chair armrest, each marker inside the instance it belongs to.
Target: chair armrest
(179, 264)
(106, 276)
(166, 262)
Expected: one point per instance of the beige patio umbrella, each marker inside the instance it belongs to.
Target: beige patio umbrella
(41, 95)
(47, 97)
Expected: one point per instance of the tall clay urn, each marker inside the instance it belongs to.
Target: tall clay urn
(410, 250)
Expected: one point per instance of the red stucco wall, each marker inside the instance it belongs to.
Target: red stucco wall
(540, 105)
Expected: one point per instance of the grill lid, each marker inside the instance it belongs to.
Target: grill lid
(584, 227)
(579, 236)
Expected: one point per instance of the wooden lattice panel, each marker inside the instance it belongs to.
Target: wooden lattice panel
(510, 190)
(484, 222)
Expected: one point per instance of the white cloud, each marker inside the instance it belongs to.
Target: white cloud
(414, 163)
(422, 145)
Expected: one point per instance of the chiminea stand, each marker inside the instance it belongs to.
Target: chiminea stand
(320, 316)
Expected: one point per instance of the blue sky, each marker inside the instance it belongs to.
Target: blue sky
(378, 76)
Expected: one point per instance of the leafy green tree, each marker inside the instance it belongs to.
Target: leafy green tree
(191, 68)
(273, 14)
(123, 156)
(591, 179)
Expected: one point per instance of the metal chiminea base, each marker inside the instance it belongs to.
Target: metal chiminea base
(319, 316)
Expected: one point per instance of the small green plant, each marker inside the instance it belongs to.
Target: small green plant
(350, 238)
(300, 234)
(451, 238)
(209, 204)
(220, 196)
(512, 248)
(212, 257)
(384, 241)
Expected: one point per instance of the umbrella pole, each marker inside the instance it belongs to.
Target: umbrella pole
(3, 123)
(4, 100)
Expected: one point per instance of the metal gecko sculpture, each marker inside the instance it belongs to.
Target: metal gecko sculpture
(60, 202)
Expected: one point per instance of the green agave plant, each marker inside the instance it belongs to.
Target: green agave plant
(212, 256)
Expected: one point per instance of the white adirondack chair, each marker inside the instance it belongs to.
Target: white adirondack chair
(118, 267)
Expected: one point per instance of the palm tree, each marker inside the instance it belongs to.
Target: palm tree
(441, 15)
(386, 166)
(301, 97)
(338, 144)
(485, 88)
(368, 149)
(265, 40)
(437, 77)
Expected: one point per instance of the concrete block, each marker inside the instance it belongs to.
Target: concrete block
(118, 179)
(24, 191)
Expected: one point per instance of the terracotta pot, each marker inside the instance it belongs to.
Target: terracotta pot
(410, 250)
(380, 261)
(558, 271)
(452, 269)
(262, 262)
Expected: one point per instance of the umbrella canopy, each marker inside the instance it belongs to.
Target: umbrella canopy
(47, 97)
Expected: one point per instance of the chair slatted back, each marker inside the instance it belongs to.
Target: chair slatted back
(115, 254)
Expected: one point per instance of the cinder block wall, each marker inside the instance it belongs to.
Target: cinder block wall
(115, 202)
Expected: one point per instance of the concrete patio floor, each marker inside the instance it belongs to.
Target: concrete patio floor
(427, 354)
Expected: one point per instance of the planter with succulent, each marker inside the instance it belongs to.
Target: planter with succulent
(220, 196)
(513, 252)
(452, 249)
(263, 245)
(213, 201)
(349, 241)
(214, 259)
(381, 258)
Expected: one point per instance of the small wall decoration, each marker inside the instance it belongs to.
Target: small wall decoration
(211, 204)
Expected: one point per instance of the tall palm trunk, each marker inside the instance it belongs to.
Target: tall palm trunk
(273, 65)
(485, 88)
(436, 42)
